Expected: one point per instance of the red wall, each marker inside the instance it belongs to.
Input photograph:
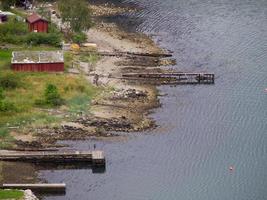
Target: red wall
(39, 67)
(41, 26)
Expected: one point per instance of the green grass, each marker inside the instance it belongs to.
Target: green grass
(5, 59)
(74, 89)
(11, 194)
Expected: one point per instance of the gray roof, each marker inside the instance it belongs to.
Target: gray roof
(37, 57)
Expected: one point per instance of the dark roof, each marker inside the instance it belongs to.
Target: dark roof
(34, 18)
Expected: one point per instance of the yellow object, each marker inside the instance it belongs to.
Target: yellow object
(74, 47)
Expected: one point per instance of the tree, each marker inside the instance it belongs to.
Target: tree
(76, 13)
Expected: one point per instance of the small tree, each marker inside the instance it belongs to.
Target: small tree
(52, 96)
(76, 13)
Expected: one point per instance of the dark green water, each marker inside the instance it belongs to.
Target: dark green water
(203, 129)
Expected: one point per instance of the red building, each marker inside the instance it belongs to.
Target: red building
(38, 61)
(37, 24)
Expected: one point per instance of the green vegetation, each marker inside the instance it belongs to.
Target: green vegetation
(51, 97)
(11, 194)
(27, 113)
(79, 38)
(16, 32)
(76, 13)
(5, 59)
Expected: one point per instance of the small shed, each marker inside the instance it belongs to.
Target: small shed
(38, 61)
(37, 24)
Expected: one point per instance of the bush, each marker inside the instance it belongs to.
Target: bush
(44, 38)
(52, 96)
(13, 26)
(5, 106)
(10, 80)
(16, 32)
(79, 38)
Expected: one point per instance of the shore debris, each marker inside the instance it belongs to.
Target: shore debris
(129, 93)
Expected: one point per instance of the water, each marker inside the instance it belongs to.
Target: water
(203, 129)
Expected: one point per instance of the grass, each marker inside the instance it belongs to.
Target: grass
(74, 89)
(5, 59)
(11, 194)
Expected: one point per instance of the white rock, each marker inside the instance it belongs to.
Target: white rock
(28, 195)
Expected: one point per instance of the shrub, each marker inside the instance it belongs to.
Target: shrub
(10, 80)
(52, 96)
(13, 26)
(5, 106)
(79, 38)
(44, 38)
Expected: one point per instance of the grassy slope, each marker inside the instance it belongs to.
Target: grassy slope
(11, 194)
(74, 89)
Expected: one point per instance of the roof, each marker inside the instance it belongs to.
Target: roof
(34, 18)
(6, 13)
(23, 57)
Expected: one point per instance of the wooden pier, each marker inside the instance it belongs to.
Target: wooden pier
(131, 54)
(172, 78)
(96, 158)
(40, 187)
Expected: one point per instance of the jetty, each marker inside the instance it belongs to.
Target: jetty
(130, 54)
(39, 187)
(96, 158)
(172, 78)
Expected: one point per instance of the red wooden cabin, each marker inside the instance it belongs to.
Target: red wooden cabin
(37, 24)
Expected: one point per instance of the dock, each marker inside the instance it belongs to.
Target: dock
(96, 158)
(172, 78)
(131, 54)
(40, 187)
